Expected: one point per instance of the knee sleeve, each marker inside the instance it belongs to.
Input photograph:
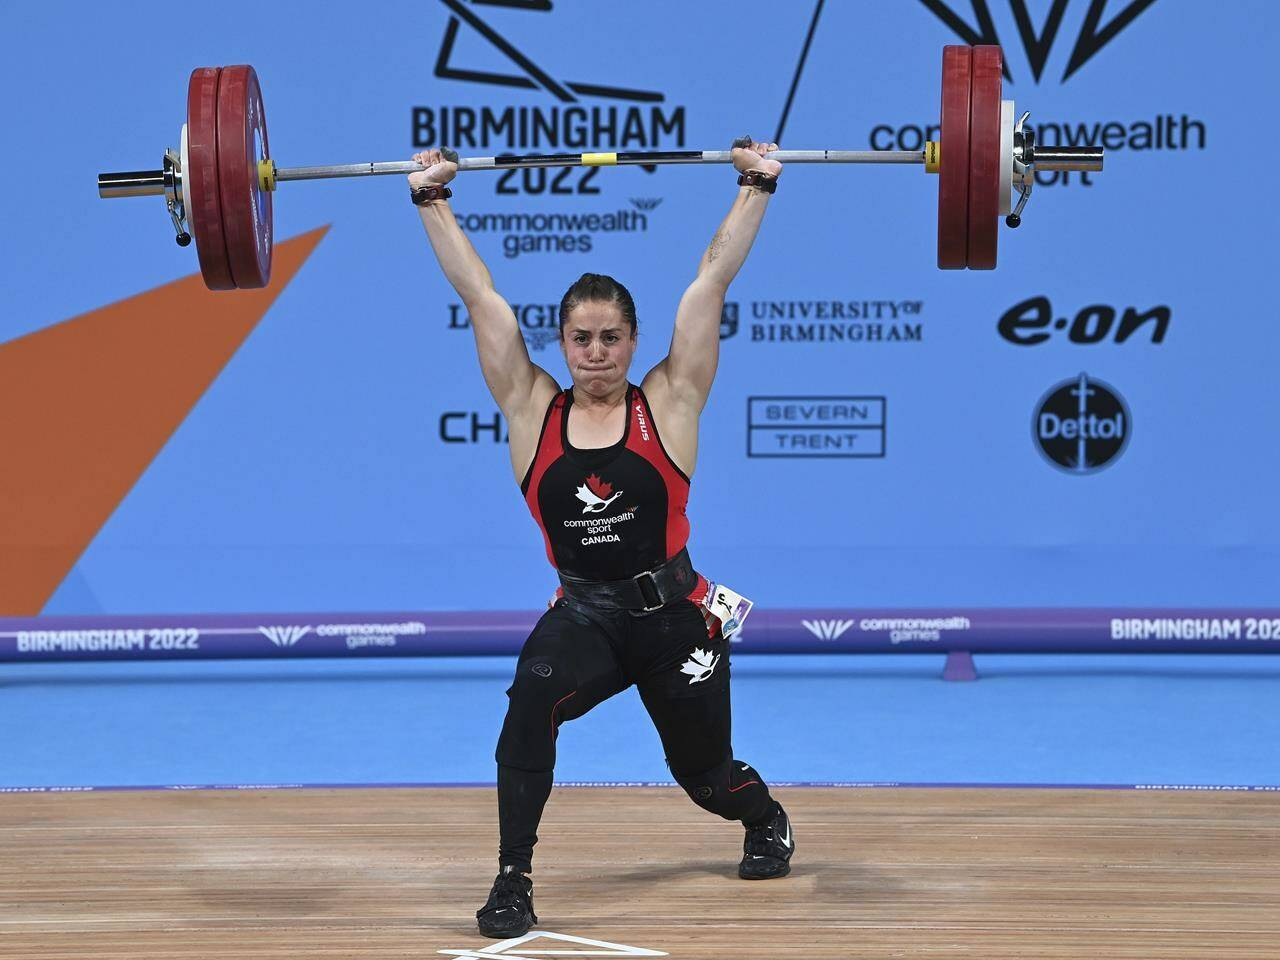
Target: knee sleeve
(732, 790)
(538, 701)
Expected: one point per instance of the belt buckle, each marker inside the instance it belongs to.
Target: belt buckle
(638, 579)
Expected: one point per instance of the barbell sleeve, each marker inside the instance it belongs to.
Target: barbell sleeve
(135, 183)
(1086, 159)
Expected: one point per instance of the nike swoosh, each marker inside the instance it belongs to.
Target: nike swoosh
(787, 839)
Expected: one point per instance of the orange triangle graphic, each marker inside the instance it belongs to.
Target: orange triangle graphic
(91, 401)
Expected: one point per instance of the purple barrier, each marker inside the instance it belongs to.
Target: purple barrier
(434, 634)
(666, 784)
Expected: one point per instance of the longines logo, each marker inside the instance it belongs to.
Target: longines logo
(539, 322)
(646, 124)
(1090, 41)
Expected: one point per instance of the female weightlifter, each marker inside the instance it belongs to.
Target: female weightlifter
(604, 466)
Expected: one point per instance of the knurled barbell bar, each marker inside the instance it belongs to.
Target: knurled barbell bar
(218, 185)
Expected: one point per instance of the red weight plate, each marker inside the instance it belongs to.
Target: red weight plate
(246, 207)
(953, 175)
(204, 215)
(984, 157)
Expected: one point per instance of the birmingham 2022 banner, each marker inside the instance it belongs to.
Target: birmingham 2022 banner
(880, 434)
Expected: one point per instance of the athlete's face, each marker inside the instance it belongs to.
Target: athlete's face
(598, 346)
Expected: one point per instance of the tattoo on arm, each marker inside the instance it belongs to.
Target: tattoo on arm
(718, 243)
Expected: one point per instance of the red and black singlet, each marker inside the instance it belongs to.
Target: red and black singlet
(611, 512)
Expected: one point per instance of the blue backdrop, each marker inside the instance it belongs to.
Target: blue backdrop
(345, 458)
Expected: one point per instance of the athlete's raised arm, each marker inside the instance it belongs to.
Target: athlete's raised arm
(521, 388)
(682, 381)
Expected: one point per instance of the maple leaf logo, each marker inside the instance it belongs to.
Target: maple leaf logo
(700, 665)
(596, 494)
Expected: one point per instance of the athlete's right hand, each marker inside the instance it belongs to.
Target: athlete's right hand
(442, 166)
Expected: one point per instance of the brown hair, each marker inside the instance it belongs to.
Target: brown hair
(597, 288)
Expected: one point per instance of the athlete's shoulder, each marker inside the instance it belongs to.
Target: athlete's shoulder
(675, 422)
(547, 397)
(638, 395)
(554, 408)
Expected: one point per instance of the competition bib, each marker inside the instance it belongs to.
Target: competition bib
(729, 608)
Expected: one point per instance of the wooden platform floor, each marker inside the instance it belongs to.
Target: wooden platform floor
(879, 873)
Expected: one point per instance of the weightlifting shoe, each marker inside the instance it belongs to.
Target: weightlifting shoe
(767, 849)
(509, 910)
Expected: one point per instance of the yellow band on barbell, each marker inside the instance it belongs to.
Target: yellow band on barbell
(932, 156)
(267, 174)
(599, 159)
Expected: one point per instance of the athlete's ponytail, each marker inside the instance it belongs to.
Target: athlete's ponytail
(597, 288)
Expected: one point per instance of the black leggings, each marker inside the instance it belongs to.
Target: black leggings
(579, 656)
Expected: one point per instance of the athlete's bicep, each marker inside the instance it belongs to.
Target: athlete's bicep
(695, 343)
(504, 359)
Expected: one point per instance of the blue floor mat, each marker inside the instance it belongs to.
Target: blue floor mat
(1029, 719)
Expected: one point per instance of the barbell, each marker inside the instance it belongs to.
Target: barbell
(218, 185)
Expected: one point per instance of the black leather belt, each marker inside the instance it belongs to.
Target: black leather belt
(644, 592)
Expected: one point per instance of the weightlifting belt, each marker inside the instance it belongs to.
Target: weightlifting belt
(645, 592)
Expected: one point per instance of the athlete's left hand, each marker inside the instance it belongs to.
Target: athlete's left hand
(750, 155)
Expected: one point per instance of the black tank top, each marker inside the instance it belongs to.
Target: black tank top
(611, 512)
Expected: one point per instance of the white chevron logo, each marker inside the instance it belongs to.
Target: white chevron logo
(515, 949)
(827, 629)
(284, 636)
